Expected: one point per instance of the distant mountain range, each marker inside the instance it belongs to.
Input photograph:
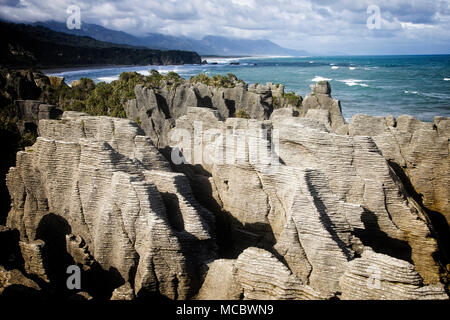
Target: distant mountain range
(37, 46)
(209, 45)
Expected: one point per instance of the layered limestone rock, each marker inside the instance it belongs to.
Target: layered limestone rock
(259, 275)
(376, 276)
(303, 209)
(327, 198)
(31, 111)
(123, 293)
(256, 275)
(13, 283)
(420, 149)
(79, 251)
(33, 256)
(156, 109)
(264, 277)
(330, 112)
(221, 282)
(357, 173)
(106, 181)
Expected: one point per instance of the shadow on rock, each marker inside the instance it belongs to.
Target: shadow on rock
(99, 283)
(372, 236)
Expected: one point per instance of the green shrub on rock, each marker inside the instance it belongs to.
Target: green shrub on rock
(291, 98)
(218, 81)
(154, 79)
(241, 113)
(103, 99)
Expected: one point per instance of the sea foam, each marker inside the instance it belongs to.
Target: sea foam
(108, 79)
(354, 82)
(318, 78)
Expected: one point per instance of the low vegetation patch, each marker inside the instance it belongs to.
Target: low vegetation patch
(218, 81)
(291, 98)
(108, 99)
(242, 114)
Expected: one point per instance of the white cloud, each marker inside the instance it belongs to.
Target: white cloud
(314, 25)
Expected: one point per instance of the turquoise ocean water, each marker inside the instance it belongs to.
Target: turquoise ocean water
(374, 85)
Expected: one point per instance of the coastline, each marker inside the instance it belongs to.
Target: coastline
(359, 81)
(90, 67)
(125, 143)
(51, 70)
(99, 67)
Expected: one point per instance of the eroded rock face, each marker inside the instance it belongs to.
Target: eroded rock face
(256, 275)
(31, 111)
(157, 109)
(123, 293)
(263, 277)
(221, 282)
(106, 181)
(14, 284)
(328, 198)
(33, 256)
(376, 276)
(304, 209)
(420, 149)
(330, 109)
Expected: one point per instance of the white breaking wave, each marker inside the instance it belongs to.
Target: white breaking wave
(272, 57)
(221, 60)
(434, 95)
(446, 79)
(351, 68)
(108, 79)
(166, 69)
(317, 79)
(76, 72)
(225, 60)
(354, 82)
(334, 67)
(146, 72)
(143, 72)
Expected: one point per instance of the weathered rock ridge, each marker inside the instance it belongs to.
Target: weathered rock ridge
(126, 209)
(319, 105)
(328, 200)
(421, 149)
(156, 109)
(293, 203)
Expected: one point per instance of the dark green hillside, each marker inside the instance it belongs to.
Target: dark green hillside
(35, 46)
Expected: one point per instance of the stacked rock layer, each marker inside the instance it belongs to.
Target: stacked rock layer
(305, 205)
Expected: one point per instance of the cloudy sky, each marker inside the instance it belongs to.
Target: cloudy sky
(318, 26)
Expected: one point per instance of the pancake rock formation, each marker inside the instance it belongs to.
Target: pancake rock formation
(104, 180)
(158, 108)
(288, 203)
(326, 201)
(420, 149)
